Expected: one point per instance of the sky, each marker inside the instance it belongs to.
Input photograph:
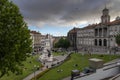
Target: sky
(57, 17)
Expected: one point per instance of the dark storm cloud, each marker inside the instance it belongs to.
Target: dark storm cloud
(38, 12)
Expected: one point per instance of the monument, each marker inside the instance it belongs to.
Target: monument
(46, 56)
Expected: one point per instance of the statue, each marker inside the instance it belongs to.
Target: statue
(46, 55)
(49, 53)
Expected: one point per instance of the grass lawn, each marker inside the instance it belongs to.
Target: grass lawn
(29, 69)
(58, 53)
(67, 66)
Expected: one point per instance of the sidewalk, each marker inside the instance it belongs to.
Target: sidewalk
(113, 62)
(67, 78)
(34, 74)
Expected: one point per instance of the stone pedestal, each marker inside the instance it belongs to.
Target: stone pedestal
(44, 57)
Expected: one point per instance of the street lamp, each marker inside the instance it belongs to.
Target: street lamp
(34, 71)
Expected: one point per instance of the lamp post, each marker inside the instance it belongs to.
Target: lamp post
(34, 71)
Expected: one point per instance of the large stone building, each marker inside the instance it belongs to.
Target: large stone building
(72, 37)
(39, 41)
(99, 37)
(36, 40)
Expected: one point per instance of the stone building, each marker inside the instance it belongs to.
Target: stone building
(36, 40)
(99, 37)
(72, 37)
(85, 37)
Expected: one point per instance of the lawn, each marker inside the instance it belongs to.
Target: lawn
(28, 64)
(58, 53)
(67, 66)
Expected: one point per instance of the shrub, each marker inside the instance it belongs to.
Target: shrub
(118, 39)
(40, 74)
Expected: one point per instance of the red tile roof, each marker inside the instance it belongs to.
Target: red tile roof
(115, 22)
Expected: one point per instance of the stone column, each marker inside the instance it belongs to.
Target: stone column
(98, 32)
(102, 42)
(102, 32)
(107, 32)
(108, 42)
(97, 42)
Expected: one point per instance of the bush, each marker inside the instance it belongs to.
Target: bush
(41, 74)
(118, 39)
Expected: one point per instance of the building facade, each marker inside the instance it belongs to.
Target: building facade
(99, 37)
(85, 38)
(72, 37)
(36, 40)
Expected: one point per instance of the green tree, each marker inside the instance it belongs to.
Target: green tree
(15, 42)
(66, 43)
(62, 43)
(118, 39)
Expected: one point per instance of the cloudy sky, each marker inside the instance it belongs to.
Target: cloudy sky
(57, 17)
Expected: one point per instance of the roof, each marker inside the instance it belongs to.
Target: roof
(74, 71)
(34, 32)
(74, 30)
(115, 22)
(90, 26)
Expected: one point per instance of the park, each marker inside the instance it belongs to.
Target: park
(63, 70)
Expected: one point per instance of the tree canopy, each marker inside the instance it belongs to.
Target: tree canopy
(62, 43)
(15, 42)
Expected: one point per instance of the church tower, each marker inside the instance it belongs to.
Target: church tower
(105, 18)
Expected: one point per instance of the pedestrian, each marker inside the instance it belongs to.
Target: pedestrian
(47, 66)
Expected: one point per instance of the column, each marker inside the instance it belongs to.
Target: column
(97, 42)
(107, 32)
(102, 32)
(98, 32)
(108, 42)
(102, 42)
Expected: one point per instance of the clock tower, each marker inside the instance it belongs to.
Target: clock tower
(105, 18)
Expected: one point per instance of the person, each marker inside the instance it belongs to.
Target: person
(44, 63)
(89, 53)
(76, 65)
(114, 52)
(58, 70)
(61, 70)
(47, 66)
